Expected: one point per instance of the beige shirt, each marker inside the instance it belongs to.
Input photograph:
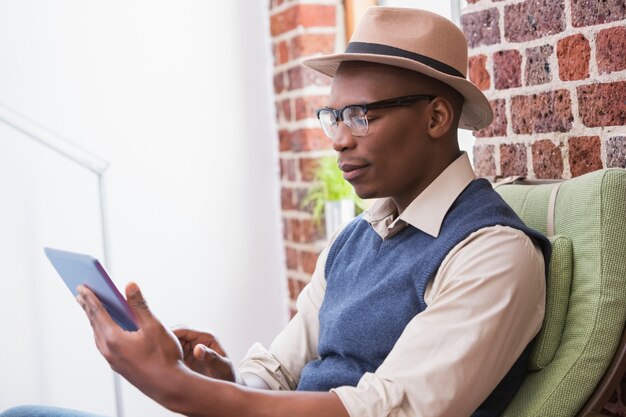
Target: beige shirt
(484, 306)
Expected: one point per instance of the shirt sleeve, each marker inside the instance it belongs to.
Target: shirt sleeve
(485, 305)
(280, 366)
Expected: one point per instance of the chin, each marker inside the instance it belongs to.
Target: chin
(365, 194)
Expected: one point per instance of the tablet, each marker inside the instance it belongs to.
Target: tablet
(78, 269)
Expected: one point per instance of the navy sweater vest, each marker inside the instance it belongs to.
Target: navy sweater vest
(374, 287)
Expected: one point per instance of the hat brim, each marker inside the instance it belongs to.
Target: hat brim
(476, 113)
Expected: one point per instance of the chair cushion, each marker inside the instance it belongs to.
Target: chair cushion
(591, 212)
(557, 300)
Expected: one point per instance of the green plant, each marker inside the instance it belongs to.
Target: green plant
(329, 185)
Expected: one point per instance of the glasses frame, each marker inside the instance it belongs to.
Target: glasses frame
(382, 104)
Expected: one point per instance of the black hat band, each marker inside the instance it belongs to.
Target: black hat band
(378, 49)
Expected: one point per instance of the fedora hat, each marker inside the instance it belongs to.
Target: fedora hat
(416, 40)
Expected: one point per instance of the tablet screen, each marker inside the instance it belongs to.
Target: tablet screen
(79, 269)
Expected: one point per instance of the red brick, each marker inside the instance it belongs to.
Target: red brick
(306, 15)
(287, 169)
(305, 106)
(538, 65)
(305, 140)
(542, 113)
(481, 28)
(533, 19)
(279, 82)
(584, 155)
(291, 287)
(291, 256)
(308, 44)
(292, 228)
(295, 288)
(594, 12)
(478, 73)
(507, 69)
(304, 231)
(303, 77)
(616, 152)
(547, 159)
(317, 15)
(284, 140)
(499, 124)
(308, 167)
(301, 194)
(611, 49)
(287, 232)
(484, 162)
(573, 54)
(283, 110)
(308, 260)
(513, 160)
(275, 53)
(602, 104)
(287, 200)
(281, 53)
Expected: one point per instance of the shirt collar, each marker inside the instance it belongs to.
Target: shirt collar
(429, 208)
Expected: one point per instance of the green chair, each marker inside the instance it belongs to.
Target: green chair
(579, 356)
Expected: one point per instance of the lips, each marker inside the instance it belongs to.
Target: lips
(351, 171)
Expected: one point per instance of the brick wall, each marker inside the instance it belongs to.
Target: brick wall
(299, 29)
(555, 73)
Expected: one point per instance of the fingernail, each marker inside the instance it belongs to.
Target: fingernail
(133, 289)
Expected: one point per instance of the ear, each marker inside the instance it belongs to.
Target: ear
(441, 117)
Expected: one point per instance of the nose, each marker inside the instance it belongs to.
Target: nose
(344, 139)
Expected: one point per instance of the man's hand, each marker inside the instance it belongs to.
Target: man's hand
(145, 357)
(152, 359)
(203, 354)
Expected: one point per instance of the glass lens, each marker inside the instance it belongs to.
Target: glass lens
(354, 117)
(328, 121)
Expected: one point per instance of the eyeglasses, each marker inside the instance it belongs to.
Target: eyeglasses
(354, 116)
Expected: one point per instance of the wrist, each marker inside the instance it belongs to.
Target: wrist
(170, 395)
(191, 394)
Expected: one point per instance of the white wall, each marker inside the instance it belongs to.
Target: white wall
(177, 96)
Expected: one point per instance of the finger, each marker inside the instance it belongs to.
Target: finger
(181, 332)
(185, 333)
(199, 352)
(137, 303)
(99, 318)
(216, 366)
(206, 354)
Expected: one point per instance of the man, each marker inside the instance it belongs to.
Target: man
(424, 306)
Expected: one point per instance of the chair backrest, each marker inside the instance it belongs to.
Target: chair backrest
(586, 292)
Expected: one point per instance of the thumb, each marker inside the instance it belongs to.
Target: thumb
(204, 353)
(137, 303)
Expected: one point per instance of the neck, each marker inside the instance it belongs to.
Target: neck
(402, 202)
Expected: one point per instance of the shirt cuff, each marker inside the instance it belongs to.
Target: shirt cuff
(260, 362)
(372, 397)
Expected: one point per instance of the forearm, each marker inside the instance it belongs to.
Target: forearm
(207, 397)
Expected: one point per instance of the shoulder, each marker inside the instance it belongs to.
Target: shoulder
(495, 253)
